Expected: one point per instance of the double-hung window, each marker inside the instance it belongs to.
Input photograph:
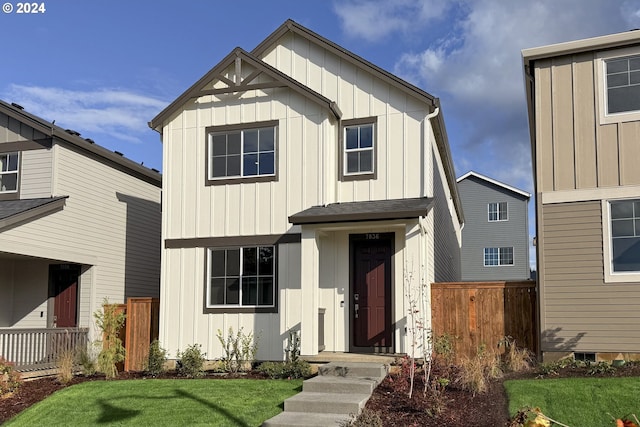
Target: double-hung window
(498, 212)
(359, 148)
(9, 172)
(625, 236)
(495, 257)
(242, 151)
(241, 277)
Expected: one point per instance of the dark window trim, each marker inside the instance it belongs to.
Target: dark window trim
(242, 126)
(234, 309)
(14, 195)
(356, 122)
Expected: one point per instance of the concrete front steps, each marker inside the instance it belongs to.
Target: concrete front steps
(332, 398)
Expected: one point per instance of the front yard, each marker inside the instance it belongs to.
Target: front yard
(170, 402)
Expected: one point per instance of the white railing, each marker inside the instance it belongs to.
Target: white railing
(35, 349)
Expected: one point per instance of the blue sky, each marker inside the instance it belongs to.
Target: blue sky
(105, 68)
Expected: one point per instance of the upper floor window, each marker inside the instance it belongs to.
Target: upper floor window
(241, 277)
(245, 151)
(358, 149)
(494, 257)
(623, 84)
(625, 235)
(9, 172)
(498, 211)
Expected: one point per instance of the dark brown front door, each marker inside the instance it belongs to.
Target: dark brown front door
(371, 292)
(63, 279)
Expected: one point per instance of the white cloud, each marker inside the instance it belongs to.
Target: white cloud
(374, 20)
(111, 113)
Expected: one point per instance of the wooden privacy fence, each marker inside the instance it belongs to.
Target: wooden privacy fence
(140, 329)
(477, 313)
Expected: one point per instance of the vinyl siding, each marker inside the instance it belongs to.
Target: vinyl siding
(12, 130)
(478, 233)
(6, 292)
(36, 173)
(110, 224)
(579, 311)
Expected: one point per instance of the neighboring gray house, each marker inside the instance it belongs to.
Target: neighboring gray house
(495, 240)
(78, 223)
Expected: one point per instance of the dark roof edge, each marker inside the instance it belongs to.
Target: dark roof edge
(192, 92)
(444, 149)
(291, 25)
(55, 203)
(52, 130)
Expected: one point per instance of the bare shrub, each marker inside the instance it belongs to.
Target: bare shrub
(474, 373)
(65, 363)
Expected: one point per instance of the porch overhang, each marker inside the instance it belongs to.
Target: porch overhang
(374, 210)
(13, 212)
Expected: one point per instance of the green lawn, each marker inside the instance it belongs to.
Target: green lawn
(162, 402)
(578, 402)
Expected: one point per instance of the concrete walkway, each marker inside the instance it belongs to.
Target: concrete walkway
(332, 398)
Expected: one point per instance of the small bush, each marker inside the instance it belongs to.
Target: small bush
(110, 320)
(277, 370)
(516, 359)
(443, 347)
(475, 373)
(65, 364)
(600, 368)
(157, 359)
(191, 361)
(9, 378)
(87, 362)
(239, 350)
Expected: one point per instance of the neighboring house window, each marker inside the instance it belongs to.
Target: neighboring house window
(498, 256)
(9, 172)
(241, 277)
(359, 148)
(236, 152)
(623, 84)
(498, 211)
(625, 235)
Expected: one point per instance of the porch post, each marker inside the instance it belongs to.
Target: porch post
(309, 284)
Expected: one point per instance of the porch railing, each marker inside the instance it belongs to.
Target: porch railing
(36, 349)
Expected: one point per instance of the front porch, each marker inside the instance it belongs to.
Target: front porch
(39, 349)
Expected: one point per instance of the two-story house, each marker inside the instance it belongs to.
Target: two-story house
(495, 237)
(304, 189)
(78, 223)
(583, 99)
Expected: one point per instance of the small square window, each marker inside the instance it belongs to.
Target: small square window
(241, 277)
(359, 148)
(498, 211)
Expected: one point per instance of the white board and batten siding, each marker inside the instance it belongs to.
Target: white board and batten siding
(307, 175)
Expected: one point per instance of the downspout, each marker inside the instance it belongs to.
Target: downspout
(426, 297)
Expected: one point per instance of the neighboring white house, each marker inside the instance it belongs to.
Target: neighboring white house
(304, 188)
(78, 223)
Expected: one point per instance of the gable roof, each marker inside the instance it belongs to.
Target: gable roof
(375, 210)
(494, 182)
(16, 211)
(84, 144)
(280, 80)
(290, 25)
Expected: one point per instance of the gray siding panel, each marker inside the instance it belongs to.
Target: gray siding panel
(478, 233)
(581, 312)
(447, 265)
(35, 174)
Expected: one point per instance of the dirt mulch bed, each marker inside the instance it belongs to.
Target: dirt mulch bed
(455, 408)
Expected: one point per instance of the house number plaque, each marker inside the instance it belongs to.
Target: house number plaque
(373, 236)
